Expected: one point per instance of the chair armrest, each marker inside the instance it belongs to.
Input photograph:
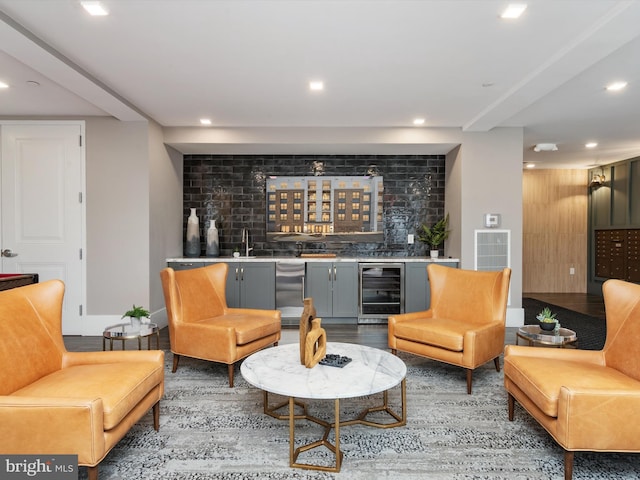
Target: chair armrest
(483, 343)
(38, 425)
(599, 419)
(403, 317)
(561, 354)
(70, 359)
(275, 314)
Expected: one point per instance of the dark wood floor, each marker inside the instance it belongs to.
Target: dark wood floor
(371, 335)
(592, 305)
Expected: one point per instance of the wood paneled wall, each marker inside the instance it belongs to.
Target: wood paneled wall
(554, 231)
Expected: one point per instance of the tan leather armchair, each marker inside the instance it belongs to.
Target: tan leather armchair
(202, 326)
(465, 323)
(587, 400)
(58, 402)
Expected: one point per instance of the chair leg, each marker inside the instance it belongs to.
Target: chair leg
(275, 344)
(92, 473)
(496, 362)
(176, 359)
(469, 380)
(511, 402)
(231, 367)
(568, 465)
(156, 416)
(394, 351)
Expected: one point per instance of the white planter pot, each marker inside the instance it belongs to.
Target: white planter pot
(434, 253)
(135, 323)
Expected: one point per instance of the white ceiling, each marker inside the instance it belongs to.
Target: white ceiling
(247, 63)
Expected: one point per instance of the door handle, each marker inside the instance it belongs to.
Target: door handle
(335, 274)
(8, 253)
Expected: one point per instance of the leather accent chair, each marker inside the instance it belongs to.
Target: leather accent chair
(201, 325)
(587, 400)
(465, 323)
(58, 402)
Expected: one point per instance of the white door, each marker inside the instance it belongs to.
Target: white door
(41, 208)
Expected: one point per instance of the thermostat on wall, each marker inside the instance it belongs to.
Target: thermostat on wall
(491, 220)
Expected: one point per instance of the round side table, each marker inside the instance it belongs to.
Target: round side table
(536, 336)
(126, 331)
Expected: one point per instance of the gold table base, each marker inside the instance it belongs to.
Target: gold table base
(361, 419)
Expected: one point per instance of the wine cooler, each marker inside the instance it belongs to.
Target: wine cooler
(381, 291)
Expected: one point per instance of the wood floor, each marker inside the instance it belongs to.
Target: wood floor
(592, 305)
(371, 335)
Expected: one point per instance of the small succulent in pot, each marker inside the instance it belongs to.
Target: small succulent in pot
(547, 319)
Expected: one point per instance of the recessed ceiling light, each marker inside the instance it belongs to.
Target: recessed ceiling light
(514, 10)
(95, 9)
(205, 121)
(545, 147)
(3, 85)
(530, 165)
(615, 86)
(316, 86)
(418, 121)
(591, 145)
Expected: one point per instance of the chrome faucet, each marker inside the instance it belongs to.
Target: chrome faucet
(245, 241)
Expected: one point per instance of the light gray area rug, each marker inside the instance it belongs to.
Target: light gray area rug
(209, 431)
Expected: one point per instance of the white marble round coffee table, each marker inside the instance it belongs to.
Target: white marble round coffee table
(278, 370)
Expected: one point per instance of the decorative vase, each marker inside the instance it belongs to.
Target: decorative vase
(192, 248)
(434, 253)
(213, 240)
(308, 314)
(315, 344)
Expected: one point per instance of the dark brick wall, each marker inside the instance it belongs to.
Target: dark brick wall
(231, 190)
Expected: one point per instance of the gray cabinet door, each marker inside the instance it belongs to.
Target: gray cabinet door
(345, 289)
(258, 285)
(417, 294)
(318, 285)
(251, 285)
(333, 287)
(233, 284)
(416, 287)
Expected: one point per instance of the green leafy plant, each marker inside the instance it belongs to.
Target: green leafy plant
(137, 312)
(435, 235)
(546, 316)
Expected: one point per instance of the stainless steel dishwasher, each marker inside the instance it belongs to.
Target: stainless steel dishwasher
(290, 290)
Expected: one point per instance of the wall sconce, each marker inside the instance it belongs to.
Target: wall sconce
(597, 180)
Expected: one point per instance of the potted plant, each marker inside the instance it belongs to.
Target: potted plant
(136, 314)
(435, 235)
(547, 319)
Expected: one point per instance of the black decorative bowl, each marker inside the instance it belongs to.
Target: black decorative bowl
(548, 326)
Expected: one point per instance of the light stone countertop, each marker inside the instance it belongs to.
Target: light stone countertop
(292, 259)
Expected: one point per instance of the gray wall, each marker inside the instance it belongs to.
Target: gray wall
(117, 157)
(165, 231)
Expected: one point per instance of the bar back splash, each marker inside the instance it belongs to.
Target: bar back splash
(392, 195)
